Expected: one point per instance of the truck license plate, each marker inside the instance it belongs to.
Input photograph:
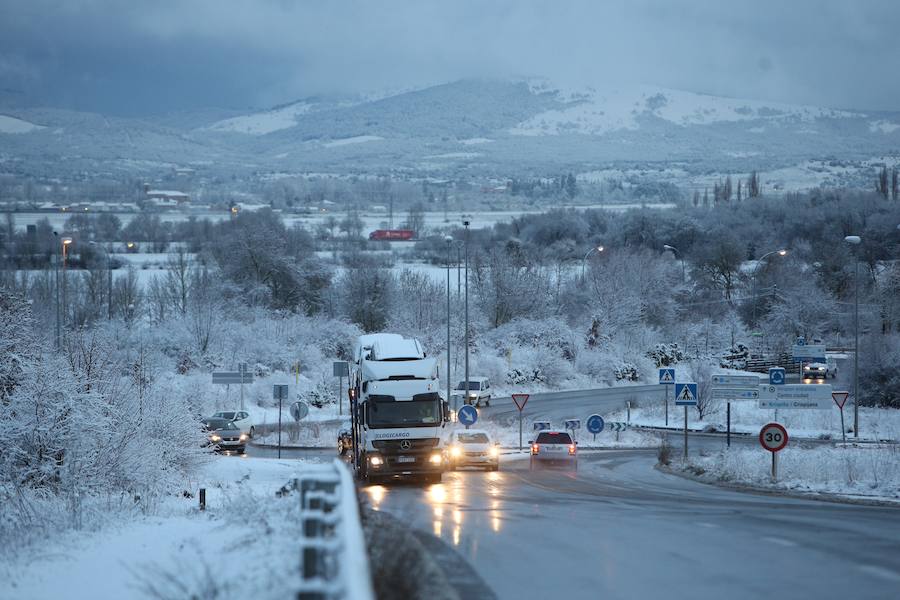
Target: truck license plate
(406, 459)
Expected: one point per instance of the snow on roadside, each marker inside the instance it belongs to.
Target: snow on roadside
(236, 548)
(871, 471)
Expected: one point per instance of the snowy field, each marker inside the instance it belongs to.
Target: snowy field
(239, 547)
(871, 471)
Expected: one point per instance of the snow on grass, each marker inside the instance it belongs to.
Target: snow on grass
(746, 417)
(871, 471)
(239, 547)
(265, 122)
(475, 141)
(13, 125)
(883, 127)
(357, 139)
(589, 111)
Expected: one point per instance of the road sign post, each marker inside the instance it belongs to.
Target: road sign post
(341, 369)
(840, 398)
(686, 395)
(467, 415)
(520, 400)
(667, 378)
(773, 437)
(241, 376)
(594, 425)
(734, 387)
(279, 392)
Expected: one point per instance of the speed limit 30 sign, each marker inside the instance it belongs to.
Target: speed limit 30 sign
(773, 437)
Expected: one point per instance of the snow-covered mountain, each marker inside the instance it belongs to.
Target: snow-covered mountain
(468, 128)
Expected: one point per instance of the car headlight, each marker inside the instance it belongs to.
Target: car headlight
(493, 451)
(376, 461)
(215, 438)
(243, 437)
(455, 451)
(473, 395)
(435, 459)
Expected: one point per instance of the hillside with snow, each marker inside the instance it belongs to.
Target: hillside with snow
(519, 128)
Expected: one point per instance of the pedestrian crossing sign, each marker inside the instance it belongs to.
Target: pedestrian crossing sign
(666, 376)
(686, 394)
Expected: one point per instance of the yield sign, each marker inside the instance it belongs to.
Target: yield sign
(840, 398)
(520, 400)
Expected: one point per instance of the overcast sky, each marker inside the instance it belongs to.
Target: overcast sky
(153, 56)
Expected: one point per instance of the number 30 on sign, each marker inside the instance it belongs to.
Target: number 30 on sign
(773, 437)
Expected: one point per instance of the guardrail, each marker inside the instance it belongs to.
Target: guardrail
(333, 559)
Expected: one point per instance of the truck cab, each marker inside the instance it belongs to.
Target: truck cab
(398, 415)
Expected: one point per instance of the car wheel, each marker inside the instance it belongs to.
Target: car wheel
(478, 404)
(252, 432)
(487, 401)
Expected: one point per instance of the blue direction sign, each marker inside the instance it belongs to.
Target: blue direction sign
(776, 376)
(540, 425)
(573, 424)
(686, 394)
(594, 424)
(667, 376)
(467, 415)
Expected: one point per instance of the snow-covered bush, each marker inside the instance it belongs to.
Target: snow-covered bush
(665, 355)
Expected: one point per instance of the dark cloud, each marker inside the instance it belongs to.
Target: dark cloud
(149, 56)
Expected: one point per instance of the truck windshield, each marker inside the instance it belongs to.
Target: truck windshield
(413, 413)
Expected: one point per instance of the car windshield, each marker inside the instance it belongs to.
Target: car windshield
(225, 415)
(547, 437)
(473, 385)
(473, 438)
(386, 412)
(219, 424)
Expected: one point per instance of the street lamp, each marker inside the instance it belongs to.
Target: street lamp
(855, 240)
(780, 252)
(108, 279)
(678, 255)
(466, 223)
(597, 249)
(449, 240)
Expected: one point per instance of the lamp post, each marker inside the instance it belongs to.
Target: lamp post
(597, 249)
(855, 240)
(449, 240)
(781, 252)
(56, 278)
(679, 256)
(108, 280)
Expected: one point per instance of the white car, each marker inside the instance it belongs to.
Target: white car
(823, 370)
(553, 447)
(241, 418)
(479, 391)
(472, 448)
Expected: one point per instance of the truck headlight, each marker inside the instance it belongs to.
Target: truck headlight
(376, 461)
(435, 459)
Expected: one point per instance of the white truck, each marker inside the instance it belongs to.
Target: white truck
(398, 417)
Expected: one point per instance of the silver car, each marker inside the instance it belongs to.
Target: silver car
(551, 447)
(225, 435)
(472, 448)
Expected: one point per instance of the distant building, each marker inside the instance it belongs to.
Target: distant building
(167, 198)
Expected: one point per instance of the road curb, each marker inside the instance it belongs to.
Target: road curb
(764, 491)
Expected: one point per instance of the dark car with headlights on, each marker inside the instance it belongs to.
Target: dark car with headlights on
(225, 435)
